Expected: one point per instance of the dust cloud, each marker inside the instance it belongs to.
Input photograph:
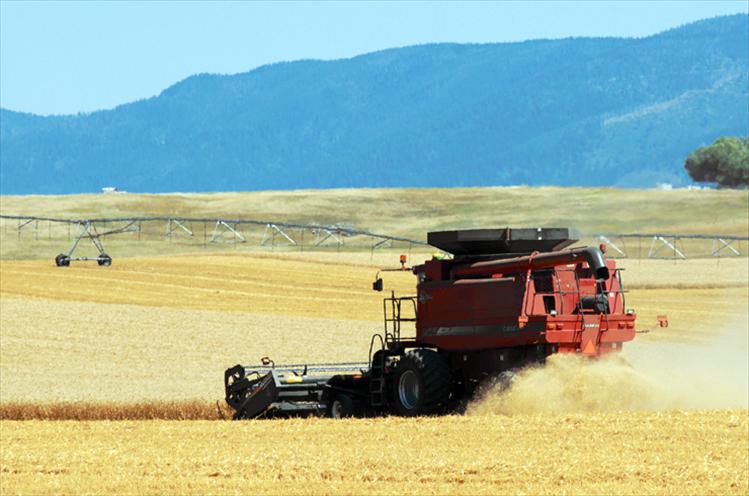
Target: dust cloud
(647, 375)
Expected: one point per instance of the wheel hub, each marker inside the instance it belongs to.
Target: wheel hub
(336, 409)
(408, 389)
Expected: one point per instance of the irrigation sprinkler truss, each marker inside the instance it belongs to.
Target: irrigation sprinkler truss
(662, 245)
(224, 231)
(323, 235)
(273, 230)
(655, 247)
(670, 246)
(719, 244)
(221, 228)
(173, 224)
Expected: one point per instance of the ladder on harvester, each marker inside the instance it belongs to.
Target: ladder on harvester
(392, 327)
(393, 318)
(377, 373)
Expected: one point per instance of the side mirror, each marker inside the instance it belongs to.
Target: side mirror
(377, 285)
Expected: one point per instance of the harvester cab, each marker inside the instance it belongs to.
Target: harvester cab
(504, 299)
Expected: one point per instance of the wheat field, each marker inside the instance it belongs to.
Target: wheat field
(603, 453)
(149, 338)
(166, 328)
(100, 368)
(409, 213)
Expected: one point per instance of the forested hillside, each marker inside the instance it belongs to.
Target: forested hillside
(578, 111)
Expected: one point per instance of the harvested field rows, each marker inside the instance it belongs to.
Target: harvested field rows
(318, 285)
(75, 351)
(150, 338)
(166, 328)
(636, 453)
(258, 284)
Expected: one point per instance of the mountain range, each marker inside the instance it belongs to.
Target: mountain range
(578, 111)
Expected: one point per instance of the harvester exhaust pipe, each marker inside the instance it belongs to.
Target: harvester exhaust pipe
(592, 255)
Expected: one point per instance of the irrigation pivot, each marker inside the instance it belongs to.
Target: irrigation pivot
(87, 230)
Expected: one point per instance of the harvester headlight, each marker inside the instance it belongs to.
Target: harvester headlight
(553, 313)
(630, 311)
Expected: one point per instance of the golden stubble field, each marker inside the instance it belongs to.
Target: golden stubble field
(150, 331)
(612, 453)
(166, 328)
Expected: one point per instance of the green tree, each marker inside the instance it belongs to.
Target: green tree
(725, 162)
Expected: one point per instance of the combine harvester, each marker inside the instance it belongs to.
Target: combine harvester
(507, 298)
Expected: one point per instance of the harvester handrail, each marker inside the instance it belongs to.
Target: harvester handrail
(395, 318)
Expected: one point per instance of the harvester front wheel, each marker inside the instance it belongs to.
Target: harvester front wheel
(422, 383)
(342, 406)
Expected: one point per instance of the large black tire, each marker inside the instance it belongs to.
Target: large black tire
(62, 260)
(104, 260)
(421, 383)
(342, 406)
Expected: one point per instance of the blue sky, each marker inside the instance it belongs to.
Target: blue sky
(66, 57)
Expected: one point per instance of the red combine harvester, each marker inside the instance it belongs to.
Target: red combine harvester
(506, 299)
